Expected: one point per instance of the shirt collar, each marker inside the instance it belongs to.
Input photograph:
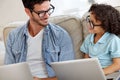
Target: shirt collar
(103, 39)
(26, 28)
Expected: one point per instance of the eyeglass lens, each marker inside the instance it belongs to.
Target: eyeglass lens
(41, 14)
(49, 11)
(89, 23)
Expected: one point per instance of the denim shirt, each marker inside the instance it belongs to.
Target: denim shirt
(56, 46)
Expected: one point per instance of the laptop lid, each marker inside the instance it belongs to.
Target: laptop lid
(82, 69)
(19, 71)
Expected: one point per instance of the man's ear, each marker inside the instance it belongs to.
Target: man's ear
(28, 12)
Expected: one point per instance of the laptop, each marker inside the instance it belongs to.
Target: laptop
(19, 71)
(82, 69)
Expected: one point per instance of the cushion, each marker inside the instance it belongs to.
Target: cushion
(84, 24)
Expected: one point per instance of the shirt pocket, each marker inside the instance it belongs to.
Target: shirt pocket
(52, 54)
(18, 49)
(54, 49)
(17, 54)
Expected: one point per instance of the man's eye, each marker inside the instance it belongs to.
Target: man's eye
(41, 12)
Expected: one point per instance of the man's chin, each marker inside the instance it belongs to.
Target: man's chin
(45, 24)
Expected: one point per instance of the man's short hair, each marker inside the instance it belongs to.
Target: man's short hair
(30, 3)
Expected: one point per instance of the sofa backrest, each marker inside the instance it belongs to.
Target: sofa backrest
(84, 25)
(1, 59)
(9, 27)
(118, 8)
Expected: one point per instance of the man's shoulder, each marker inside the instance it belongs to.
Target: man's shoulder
(55, 27)
(19, 29)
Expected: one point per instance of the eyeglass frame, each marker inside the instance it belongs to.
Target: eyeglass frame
(44, 12)
(92, 25)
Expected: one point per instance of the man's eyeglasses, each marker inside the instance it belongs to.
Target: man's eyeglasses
(90, 23)
(41, 14)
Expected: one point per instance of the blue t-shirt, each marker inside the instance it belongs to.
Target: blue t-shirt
(107, 47)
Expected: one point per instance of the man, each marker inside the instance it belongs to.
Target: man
(38, 42)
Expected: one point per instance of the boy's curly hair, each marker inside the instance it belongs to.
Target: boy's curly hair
(108, 15)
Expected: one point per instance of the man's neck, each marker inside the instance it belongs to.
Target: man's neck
(34, 29)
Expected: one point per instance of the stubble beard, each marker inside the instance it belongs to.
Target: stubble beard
(40, 22)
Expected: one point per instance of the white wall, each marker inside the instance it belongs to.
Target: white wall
(11, 10)
(111, 2)
(76, 7)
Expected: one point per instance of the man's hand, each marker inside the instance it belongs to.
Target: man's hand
(53, 78)
(35, 78)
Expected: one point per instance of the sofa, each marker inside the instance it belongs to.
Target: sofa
(74, 25)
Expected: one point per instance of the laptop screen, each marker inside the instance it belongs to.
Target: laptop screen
(19, 71)
(82, 69)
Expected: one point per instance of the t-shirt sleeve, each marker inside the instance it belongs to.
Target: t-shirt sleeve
(85, 45)
(115, 47)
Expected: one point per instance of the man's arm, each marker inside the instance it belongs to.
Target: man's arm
(86, 55)
(53, 78)
(66, 48)
(9, 58)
